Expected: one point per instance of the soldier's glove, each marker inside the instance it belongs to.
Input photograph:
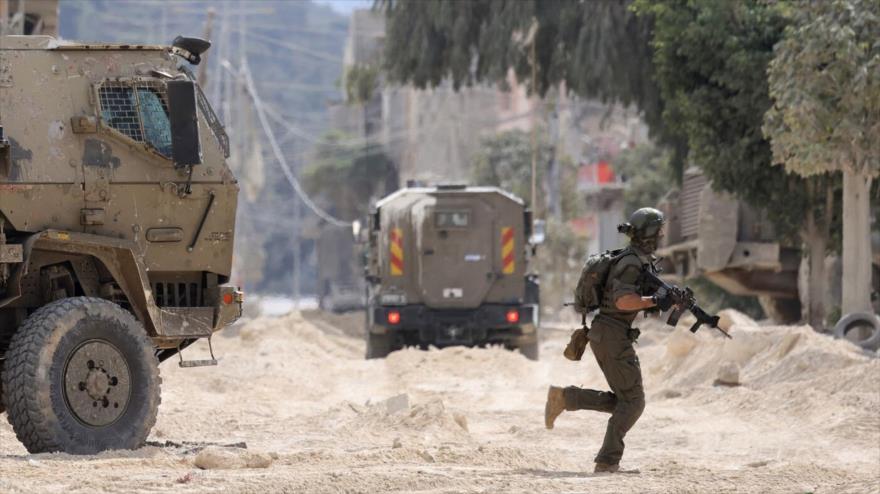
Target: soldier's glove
(663, 299)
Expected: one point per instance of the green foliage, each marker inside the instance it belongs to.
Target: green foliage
(347, 177)
(825, 81)
(711, 60)
(361, 83)
(646, 171)
(505, 160)
(598, 49)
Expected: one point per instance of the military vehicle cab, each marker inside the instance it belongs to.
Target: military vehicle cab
(117, 213)
(450, 265)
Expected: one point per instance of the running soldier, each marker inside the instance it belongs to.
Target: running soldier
(611, 338)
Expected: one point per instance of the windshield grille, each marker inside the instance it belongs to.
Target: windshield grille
(138, 110)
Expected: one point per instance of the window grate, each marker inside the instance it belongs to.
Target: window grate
(213, 121)
(138, 110)
(119, 109)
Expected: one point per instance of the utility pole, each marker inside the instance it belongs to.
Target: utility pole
(535, 101)
(203, 67)
(553, 179)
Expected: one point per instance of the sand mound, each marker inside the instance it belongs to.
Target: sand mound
(787, 370)
(218, 458)
(428, 422)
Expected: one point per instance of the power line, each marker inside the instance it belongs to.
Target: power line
(276, 149)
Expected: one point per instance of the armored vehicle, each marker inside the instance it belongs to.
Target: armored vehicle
(449, 265)
(731, 244)
(715, 235)
(117, 214)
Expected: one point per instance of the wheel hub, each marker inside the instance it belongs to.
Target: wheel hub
(97, 383)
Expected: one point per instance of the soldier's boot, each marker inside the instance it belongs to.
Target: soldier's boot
(554, 407)
(606, 468)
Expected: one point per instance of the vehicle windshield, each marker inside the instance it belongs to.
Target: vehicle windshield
(139, 111)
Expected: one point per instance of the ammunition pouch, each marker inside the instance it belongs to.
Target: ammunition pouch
(578, 344)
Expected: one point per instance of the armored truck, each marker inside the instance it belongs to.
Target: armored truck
(117, 214)
(450, 265)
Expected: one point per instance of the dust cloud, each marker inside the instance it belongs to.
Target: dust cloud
(294, 407)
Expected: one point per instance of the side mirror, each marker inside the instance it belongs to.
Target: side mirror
(538, 232)
(356, 229)
(186, 148)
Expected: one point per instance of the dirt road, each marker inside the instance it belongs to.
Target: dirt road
(805, 419)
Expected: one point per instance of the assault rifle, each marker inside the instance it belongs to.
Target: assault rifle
(682, 300)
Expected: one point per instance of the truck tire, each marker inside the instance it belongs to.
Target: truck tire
(530, 350)
(379, 345)
(81, 376)
(857, 320)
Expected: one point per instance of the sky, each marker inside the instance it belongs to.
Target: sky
(346, 6)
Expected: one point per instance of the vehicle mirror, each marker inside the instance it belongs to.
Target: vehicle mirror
(186, 149)
(356, 229)
(538, 232)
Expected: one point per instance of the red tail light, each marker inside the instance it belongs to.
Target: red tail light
(393, 317)
(512, 316)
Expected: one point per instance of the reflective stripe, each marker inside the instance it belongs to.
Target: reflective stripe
(508, 262)
(396, 251)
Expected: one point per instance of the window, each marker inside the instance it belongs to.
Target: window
(452, 219)
(138, 110)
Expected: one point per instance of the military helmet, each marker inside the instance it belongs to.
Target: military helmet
(643, 224)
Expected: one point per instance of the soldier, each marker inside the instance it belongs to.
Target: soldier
(611, 339)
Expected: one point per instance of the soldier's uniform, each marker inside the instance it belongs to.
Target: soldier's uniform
(611, 340)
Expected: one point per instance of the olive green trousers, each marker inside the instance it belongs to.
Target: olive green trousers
(612, 345)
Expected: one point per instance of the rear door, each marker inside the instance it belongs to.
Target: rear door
(456, 252)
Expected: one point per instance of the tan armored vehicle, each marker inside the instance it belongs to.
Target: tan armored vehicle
(117, 214)
(449, 265)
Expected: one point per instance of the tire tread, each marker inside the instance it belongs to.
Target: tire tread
(21, 369)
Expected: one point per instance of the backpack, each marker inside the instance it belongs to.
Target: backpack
(594, 275)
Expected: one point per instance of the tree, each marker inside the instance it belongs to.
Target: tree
(825, 81)
(505, 160)
(711, 60)
(695, 69)
(645, 170)
(347, 177)
(597, 49)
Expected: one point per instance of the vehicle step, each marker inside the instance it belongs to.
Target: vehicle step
(197, 363)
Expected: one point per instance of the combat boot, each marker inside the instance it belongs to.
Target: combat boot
(555, 405)
(606, 468)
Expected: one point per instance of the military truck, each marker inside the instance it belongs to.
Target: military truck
(450, 265)
(117, 215)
